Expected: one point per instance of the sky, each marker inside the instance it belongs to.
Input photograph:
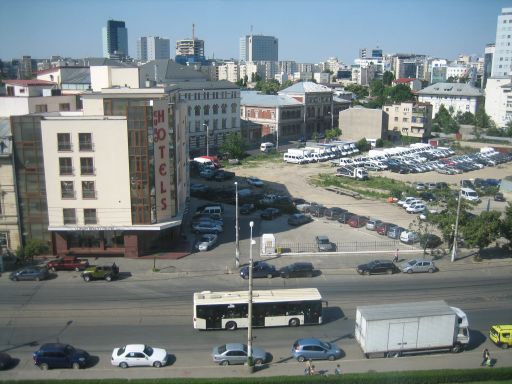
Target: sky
(309, 31)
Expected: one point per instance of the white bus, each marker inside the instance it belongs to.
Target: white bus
(272, 308)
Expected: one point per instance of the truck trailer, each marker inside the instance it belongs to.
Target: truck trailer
(388, 330)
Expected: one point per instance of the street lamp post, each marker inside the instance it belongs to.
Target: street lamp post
(237, 243)
(207, 138)
(249, 313)
(455, 234)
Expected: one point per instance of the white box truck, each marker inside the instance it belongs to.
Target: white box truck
(387, 330)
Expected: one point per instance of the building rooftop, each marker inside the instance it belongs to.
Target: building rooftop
(256, 99)
(27, 83)
(202, 85)
(305, 87)
(451, 89)
(168, 72)
(404, 80)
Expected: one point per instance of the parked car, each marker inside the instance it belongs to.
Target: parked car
(300, 269)
(198, 189)
(315, 349)
(324, 244)
(333, 213)
(6, 361)
(67, 264)
(416, 208)
(383, 228)
(58, 355)
(430, 241)
(259, 269)
(247, 208)
(101, 272)
(409, 237)
(345, 217)
(221, 175)
(377, 266)
(236, 353)
(206, 242)
(395, 231)
(255, 182)
(418, 265)
(30, 273)
(357, 221)
(299, 219)
(371, 224)
(139, 355)
(270, 213)
(499, 197)
(206, 227)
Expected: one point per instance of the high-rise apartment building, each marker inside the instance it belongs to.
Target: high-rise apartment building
(190, 51)
(488, 60)
(502, 61)
(115, 40)
(153, 48)
(258, 48)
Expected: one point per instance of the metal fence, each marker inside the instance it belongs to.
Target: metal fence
(354, 246)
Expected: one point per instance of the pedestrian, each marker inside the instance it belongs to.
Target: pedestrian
(395, 259)
(337, 370)
(307, 370)
(486, 357)
(312, 372)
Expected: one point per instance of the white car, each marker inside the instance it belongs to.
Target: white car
(405, 200)
(138, 355)
(417, 208)
(412, 202)
(255, 182)
(206, 241)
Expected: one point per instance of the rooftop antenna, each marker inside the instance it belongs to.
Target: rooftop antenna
(251, 30)
(193, 31)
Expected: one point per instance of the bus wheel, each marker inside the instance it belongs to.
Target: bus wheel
(504, 345)
(231, 325)
(294, 322)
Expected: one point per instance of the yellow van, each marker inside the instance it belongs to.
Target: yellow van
(501, 335)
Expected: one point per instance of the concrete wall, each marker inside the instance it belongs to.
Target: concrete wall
(16, 106)
(103, 76)
(356, 123)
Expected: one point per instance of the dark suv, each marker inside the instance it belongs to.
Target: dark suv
(57, 355)
(377, 266)
(297, 270)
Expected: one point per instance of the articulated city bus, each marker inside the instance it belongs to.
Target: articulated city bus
(271, 308)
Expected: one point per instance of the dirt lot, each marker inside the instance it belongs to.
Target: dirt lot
(293, 180)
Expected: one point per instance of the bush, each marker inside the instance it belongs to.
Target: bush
(34, 247)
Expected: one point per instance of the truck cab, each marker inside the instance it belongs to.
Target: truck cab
(501, 335)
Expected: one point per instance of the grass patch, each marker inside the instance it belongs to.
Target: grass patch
(257, 160)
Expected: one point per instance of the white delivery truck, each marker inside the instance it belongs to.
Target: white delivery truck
(387, 330)
(302, 152)
(358, 173)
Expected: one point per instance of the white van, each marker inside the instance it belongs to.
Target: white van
(266, 147)
(469, 194)
(211, 210)
(294, 159)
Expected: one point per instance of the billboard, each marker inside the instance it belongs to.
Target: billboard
(161, 142)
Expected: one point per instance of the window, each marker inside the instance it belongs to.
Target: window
(67, 190)
(40, 108)
(189, 110)
(88, 190)
(405, 120)
(198, 125)
(215, 124)
(396, 118)
(64, 107)
(224, 123)
(86, 166)
(206, 110)
(90, 216)
(224, 108)
(63, 142)
(233, 122)
(85, 141)
(69, 216)
(197, 110)
(233, 108)
(215, 109)
(65, 166)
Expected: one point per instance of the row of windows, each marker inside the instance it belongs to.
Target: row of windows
(67, 189)
(207, 95)
(201, 126)
(41, 108)
(214, 108)
(64, 143)
(66, 166)
(89, 215)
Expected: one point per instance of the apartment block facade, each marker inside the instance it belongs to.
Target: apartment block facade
(409, 119)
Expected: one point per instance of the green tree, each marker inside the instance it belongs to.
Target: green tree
(377, 88)
(270, 87)
(234, 146)
(286, 84)
(465, 118)
(508, 129)
(379, 143)
(358, 90)
(332, 133)
(482, 230)
(34, 247)
(443, 121)
(388, 77)
(255, 77)
(398, 93)
(363, 145)
(482, 119)
(506, 225)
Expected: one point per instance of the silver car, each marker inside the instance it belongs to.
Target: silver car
(236, 353)
(418, 265)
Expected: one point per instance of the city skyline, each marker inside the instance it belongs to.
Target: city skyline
(307, 32)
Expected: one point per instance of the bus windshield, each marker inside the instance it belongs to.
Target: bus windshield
(279, 307)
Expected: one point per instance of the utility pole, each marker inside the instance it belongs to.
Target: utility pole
(455, 235)
(237, 243)
(249, 326)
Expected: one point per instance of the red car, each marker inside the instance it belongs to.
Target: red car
(68, 264)
(358, 221)
(383, 228)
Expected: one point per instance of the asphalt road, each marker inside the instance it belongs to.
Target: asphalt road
(159, 312)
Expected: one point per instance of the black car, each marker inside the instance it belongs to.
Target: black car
(345, 217)
(377, 266)
(259, 269)
(247, 208)
(270, 213)
(57, 355)
(333, 213)
(222, 175)
(428, 196)
(499, 197)
(299, 219)
(5, 361)
(297, 270)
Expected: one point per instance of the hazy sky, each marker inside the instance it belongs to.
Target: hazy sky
(308, 31)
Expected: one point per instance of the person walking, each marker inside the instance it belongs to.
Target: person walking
(395, 259)
(307, 370)
(486, 357)
(337, 370)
